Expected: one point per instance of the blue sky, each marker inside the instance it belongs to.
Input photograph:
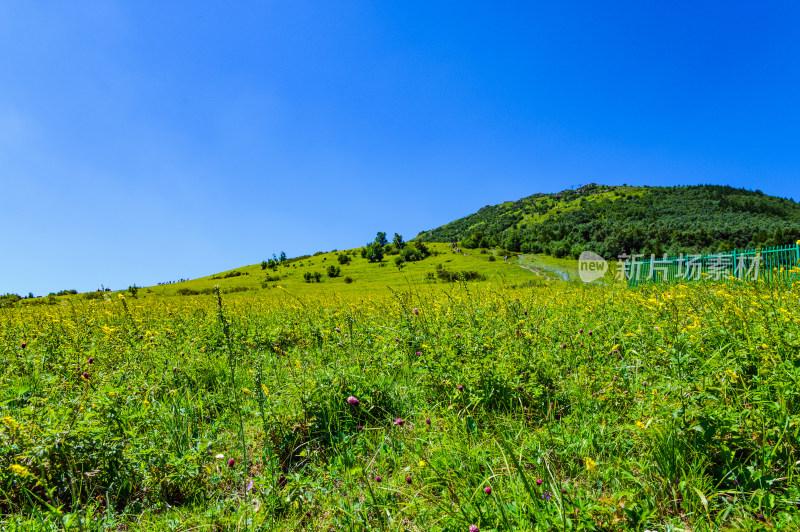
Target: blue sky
(148, 141)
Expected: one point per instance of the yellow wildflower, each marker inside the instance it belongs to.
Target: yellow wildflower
(20, 470)
(591, 465)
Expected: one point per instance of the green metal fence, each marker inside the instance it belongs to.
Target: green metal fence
(767, 264)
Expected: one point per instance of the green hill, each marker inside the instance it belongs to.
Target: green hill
(356, 275)
(612, 220)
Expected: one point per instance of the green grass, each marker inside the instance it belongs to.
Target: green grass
(368, 278)
(581, 407)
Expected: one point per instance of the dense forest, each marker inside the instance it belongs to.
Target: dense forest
(614, 220)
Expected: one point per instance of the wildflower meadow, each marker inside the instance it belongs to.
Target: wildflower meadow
(445, 407)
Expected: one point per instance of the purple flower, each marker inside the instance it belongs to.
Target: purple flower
(474, 528)
(408, 480)
(538, 482)
(85, 375)
(487, 490)
(580, 330)
(91, 360)
(360, 427)
(546, 495)
(23, 345)
(377, 479)
(399, 421)
(460, 387)
(231, 462)
(352, 400)
(416, 311)
(419, 353)
(458, 336)
(428, 421)
(339, 344)
(590, 333)
(337, 329)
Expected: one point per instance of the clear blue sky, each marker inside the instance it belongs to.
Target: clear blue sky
(148, 141)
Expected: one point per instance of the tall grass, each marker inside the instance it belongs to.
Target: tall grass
(553, 407)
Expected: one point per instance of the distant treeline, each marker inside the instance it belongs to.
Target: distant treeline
(612, 221)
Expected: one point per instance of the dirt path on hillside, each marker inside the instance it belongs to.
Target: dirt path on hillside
(537, 272)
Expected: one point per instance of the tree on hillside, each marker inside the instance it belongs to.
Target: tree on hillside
(381, 238)
(398, 242)
(374, 252)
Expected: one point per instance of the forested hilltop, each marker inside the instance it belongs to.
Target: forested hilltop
(612, 220)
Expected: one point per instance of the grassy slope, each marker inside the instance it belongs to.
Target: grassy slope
(580, 407)
(368, 277)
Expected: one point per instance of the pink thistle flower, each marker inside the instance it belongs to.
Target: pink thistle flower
(399, 421)
(487, 490)
(231, 462)
(352, 400)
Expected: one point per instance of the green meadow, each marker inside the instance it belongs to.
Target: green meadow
(452, 393)
(365, 277)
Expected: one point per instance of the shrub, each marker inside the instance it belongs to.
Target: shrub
(348, 279)
(492, 258)
(9, 300)
(333, 271)
(66, 292)
(464, 275)
(187, 292)
(238, 273)
(343, 259)
(312, 277)
(374, 252)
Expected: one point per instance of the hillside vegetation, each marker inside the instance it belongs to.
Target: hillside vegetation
(438, 407)
(614, 220)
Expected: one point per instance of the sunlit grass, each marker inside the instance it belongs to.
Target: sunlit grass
(581, 407)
